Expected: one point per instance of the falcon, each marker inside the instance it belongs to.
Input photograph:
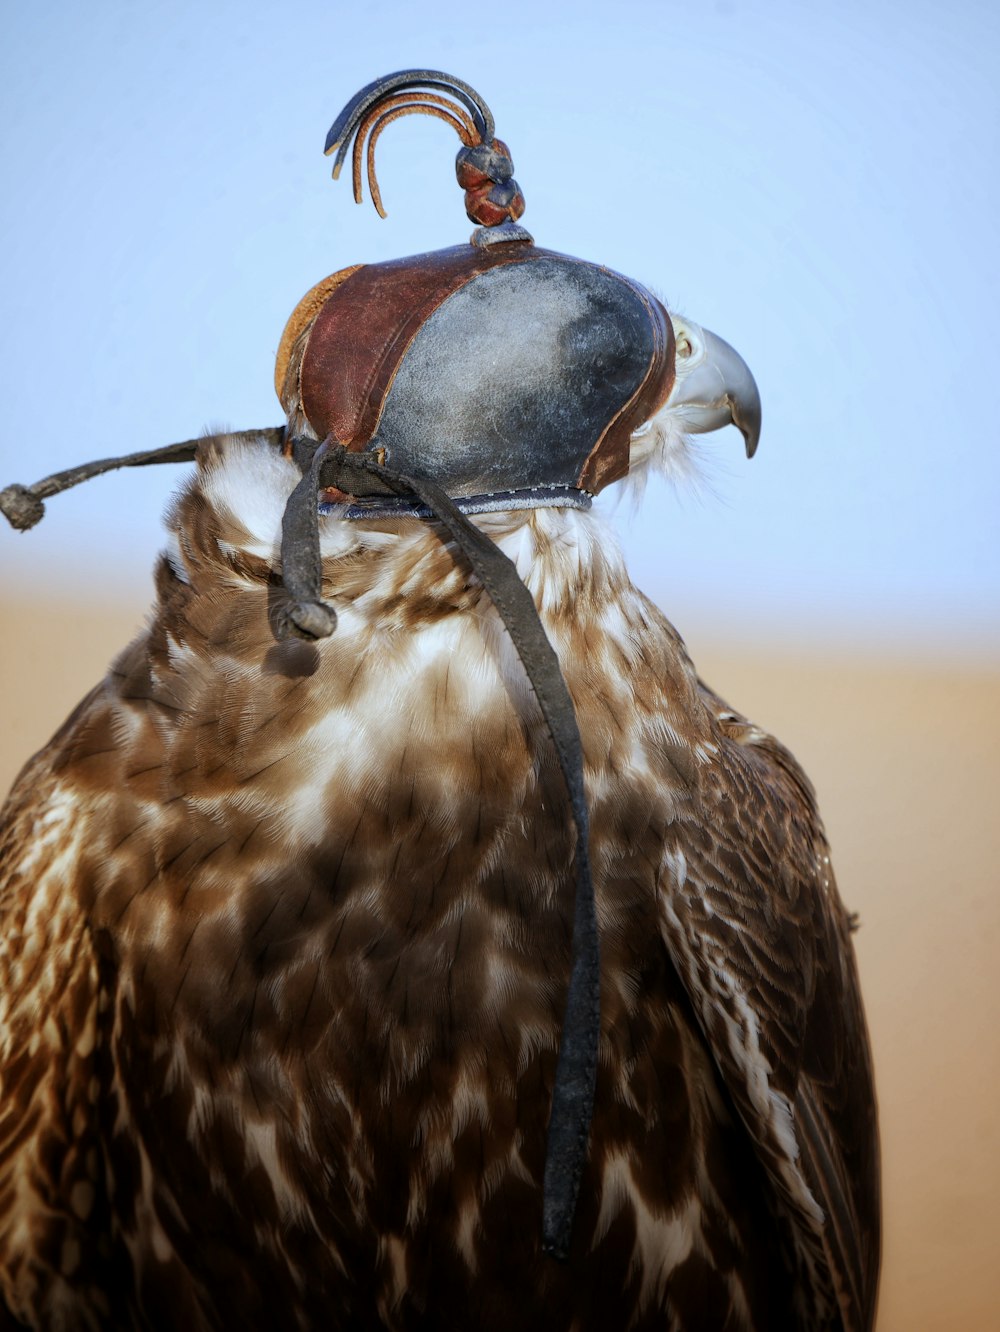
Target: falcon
(402, 935)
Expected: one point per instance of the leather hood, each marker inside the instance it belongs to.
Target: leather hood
(482, 368)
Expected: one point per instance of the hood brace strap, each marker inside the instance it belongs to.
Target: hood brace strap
(307, 616)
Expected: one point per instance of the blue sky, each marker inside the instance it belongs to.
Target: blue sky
(820, 188)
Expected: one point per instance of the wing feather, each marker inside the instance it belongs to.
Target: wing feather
(751, 915)
(51, 1062)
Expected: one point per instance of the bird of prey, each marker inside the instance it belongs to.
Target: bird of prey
(378, 951)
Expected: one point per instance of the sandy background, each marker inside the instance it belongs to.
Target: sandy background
(905, 758)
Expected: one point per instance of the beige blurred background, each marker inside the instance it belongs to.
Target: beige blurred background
(904, 756)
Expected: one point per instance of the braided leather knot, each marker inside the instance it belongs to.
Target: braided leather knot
(486, 173)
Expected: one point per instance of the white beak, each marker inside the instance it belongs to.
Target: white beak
(713, 387)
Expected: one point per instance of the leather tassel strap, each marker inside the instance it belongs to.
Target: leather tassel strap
(22, 505)
(484, 167)
(307, 616)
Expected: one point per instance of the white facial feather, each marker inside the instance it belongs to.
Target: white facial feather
(660, 447)
(250, 484)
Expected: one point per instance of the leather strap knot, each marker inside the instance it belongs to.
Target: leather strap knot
(486, 173)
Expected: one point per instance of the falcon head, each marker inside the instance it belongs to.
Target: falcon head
(506, 375)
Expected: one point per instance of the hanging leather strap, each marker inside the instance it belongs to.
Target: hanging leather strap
(308, 616)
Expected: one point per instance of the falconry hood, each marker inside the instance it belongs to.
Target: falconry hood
(493, 367)
(501, 371)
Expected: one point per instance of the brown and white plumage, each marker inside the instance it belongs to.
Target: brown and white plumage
(285, 938)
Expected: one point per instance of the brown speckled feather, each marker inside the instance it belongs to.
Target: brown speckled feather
(285, 943)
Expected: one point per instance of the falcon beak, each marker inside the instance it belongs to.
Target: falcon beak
(713, 385)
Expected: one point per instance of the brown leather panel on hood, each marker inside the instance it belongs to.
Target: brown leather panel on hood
(361, 334)
(300, 318)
